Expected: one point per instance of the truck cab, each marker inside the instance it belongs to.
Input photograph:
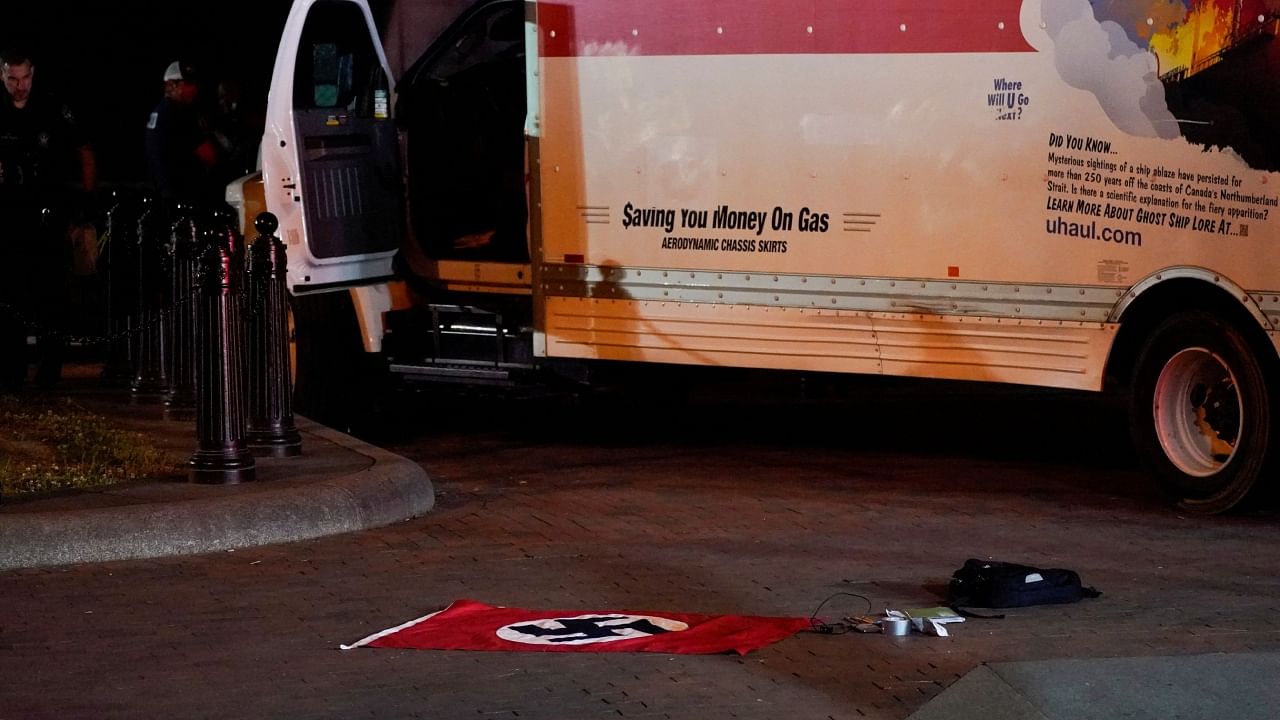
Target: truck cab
(368, 249)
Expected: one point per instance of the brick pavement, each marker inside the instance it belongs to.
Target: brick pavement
(645, 520)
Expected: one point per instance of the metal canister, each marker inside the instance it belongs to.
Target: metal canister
(895, 626)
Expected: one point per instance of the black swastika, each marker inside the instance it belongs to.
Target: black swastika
(588, 628)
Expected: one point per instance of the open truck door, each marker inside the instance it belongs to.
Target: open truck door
(330, 154)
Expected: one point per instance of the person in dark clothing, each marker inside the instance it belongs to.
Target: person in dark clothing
(182, 153)
(41, 145)
(236, 131)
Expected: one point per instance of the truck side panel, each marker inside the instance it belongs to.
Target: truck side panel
(959, 151)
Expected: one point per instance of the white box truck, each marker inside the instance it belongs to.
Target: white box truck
(1054, 193)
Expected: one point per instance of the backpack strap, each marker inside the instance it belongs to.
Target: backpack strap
(970, 614)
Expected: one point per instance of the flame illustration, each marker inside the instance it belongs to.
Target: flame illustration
(1204, 31)
(1208, 27)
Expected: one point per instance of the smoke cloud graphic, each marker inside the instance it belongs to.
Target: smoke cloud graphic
(1099, 57)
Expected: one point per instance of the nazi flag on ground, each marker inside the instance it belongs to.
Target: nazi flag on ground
(471, 625)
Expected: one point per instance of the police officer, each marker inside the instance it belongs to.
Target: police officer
(41, 146)
(182, 154)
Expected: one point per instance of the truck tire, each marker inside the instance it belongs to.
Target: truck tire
(1201, 413)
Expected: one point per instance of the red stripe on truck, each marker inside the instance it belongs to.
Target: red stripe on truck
(572, 28)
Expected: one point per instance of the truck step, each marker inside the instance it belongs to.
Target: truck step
(458, 371)
(450, 341)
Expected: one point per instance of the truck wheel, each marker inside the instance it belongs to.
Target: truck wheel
(1201, 413)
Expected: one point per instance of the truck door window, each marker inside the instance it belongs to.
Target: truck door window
(337, 65)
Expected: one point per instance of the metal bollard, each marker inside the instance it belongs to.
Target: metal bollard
(114, 265)
(221, 456)
(184, 252)
(224, 223)
(271, 429)
(149, 381)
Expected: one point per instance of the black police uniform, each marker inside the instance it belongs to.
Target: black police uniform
(174, 131)
(39, 146)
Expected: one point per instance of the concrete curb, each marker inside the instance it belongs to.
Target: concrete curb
(1208, 686)
(391, 489)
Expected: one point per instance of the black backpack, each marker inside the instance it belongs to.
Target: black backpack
(994, 584)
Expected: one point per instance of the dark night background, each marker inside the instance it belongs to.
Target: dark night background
(107, 59)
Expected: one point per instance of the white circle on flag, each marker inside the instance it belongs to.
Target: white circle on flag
(589, 629)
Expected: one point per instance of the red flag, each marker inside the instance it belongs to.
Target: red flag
(471, 625)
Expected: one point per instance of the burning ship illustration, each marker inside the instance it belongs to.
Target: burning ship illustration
(1220, 67)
